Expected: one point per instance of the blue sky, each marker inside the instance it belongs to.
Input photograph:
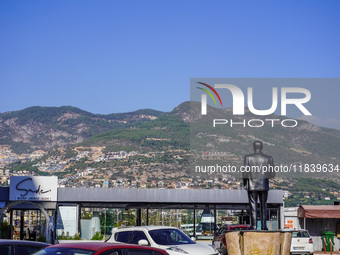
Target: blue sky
(120, 56)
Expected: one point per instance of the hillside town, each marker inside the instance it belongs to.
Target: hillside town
(91, 167)
(126, 171)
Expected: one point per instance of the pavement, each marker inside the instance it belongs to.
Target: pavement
(322, 252)
(315, 253)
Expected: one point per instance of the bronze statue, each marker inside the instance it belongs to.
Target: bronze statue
(258, 170)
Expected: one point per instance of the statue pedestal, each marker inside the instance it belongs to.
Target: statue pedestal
(258, 242)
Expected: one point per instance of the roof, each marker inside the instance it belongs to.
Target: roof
(96, 246)
(154, 198)
(143, 228)
(23, 242)
(319, 211)
(205, 196)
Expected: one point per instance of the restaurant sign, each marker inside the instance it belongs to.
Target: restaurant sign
(33, 188)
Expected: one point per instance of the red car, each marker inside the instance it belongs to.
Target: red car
(98, 248)
(219, 238)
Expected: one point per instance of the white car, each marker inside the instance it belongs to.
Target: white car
(302, 243)
(171, 239)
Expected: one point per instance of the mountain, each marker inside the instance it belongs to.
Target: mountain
(52, 127)
(161, 142)
(183, 128)
(304, 143)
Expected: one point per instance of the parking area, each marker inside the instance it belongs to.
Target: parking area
(322, 252)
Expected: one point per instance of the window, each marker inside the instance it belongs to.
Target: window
(113, 252)
(137, 236)
(131, 252)
(142, 252)
(5, 249)
(169, 237)
(123, 236)
(221, 230)
(131, 237)
(300, 234)
(22, 250)
(60, 250)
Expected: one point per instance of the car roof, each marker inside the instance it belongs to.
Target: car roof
(23, 242)
(143, 228)
(95, 246)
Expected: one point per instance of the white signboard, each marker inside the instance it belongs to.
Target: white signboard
(33, 188)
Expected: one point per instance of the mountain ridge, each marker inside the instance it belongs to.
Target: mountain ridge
(45, 128)
(49, 128)
(162, 147)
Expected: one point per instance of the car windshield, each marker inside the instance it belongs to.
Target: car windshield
(170, 237)
(63, 251)
(300, 234)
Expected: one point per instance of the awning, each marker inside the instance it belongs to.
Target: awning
(319, 211)
(2, 204)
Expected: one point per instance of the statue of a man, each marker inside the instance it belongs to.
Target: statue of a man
(259, 168)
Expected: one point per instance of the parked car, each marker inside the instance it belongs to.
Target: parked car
(18, 247)
(171, 239)
(219, 237)
(302, 243)
(99, 248)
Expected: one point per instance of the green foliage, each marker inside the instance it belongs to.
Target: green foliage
(97, 236)
(21, 166)
(118, 147)
(52, 119)
(311, 191)
(19, 147)
(69, 153)
(42, 239)
(168, 131)
(42, 114)
(67, 237)
(76, 236)
(107, 221)
(323, 144)
(5, 230)
(128, 115)
(86, 216)
(79, 165)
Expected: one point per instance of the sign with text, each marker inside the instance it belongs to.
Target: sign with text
(33, 188)
(296, 119)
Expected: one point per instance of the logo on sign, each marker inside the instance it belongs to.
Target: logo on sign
(239, 104)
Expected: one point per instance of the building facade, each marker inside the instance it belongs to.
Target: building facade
(35, 208)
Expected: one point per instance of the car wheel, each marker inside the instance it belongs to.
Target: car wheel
(223, 250)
